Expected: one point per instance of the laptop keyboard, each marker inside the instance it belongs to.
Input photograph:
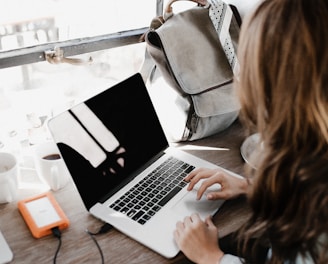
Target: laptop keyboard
(147, 197)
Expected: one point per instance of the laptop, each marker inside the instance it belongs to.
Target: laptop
(114, 147)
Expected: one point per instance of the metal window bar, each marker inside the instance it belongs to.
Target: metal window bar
(73, 47)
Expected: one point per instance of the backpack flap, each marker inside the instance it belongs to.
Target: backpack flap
(216, 101)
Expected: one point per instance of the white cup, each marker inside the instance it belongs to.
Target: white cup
(50, 165)
(8, 177)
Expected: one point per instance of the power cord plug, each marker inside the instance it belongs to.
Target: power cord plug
(103, 229)
(57, 233)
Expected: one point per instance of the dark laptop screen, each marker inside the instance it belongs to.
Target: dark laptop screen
(125, 133)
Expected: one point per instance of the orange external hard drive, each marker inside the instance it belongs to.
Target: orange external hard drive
(42, 213)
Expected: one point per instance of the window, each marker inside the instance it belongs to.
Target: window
(32, 89)
(26, 23)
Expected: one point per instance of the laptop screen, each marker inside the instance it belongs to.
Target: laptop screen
(108, 137)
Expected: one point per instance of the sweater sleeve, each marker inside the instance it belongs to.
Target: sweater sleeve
(230, 259)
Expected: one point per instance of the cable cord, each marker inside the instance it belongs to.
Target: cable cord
(104, 229)
(57, 233)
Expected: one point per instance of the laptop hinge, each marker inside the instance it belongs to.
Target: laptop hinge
(131, 177)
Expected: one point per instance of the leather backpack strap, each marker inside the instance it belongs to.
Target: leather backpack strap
(168, 7)
(221, 15)
(147, 68)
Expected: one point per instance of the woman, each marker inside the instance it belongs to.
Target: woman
(283, 91)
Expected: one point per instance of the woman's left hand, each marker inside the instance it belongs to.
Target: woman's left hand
(198, 239)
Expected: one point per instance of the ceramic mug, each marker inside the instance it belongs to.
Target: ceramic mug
(8, 177)
(50, 165)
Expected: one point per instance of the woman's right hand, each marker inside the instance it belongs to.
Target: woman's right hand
(231, 186)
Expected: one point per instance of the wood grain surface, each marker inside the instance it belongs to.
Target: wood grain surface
(222, 149)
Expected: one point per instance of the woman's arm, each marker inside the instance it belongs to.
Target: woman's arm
(198, 240)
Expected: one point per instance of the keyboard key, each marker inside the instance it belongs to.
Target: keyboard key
(131, 213)
(148, 196)
(169, 196)
(138, 215)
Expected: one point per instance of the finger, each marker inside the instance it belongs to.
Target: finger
(192, 178)
(201, 190)
(198, 174)
(191, 175)
(188, 178)
(187, 221)
(211, 226)
(223, 195)
(195, 218)
(215, 196)
(207, 183)
(209, 221)
(200, 193)
(177, 236)
(192, 182)
(179, 225)
(218, 179)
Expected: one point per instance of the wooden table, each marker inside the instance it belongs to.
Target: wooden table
(77, 246)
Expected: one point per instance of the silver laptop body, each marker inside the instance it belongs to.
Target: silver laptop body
(111, 143)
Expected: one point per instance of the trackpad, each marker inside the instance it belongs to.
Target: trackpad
(188, 205)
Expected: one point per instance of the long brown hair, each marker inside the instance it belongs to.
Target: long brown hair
(283, 91)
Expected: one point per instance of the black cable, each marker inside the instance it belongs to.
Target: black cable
(104, 229)
(57, 233)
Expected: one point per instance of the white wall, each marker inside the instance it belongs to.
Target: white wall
(243, 6)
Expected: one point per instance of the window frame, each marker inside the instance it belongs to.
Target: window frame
(37, 53)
